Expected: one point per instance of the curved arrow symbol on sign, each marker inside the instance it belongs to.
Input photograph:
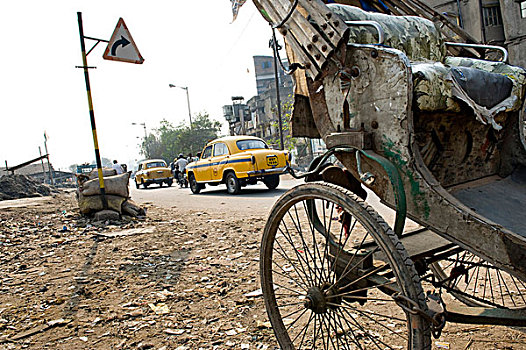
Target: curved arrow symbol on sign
(122, 41)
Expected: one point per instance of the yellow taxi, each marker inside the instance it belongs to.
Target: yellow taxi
(237, 161)
(153, 171)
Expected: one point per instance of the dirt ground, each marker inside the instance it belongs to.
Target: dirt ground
(177, 280)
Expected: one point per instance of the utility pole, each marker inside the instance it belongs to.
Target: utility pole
(91, 112)
(42, 162)
(278, 99)
(51, 180)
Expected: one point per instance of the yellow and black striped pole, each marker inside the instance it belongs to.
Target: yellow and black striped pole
(91, 113)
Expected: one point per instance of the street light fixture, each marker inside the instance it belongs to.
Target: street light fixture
(187, 99)
(145, 137)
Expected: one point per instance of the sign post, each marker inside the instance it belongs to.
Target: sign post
(121, 47)
(92, 113)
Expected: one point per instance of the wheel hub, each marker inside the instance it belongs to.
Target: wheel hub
(320, 299)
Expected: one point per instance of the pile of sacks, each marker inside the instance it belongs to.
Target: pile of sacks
(120, 205)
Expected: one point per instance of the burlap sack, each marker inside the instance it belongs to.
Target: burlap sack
(116, 185)
(90, 204)
(94, 174)
(132, 209)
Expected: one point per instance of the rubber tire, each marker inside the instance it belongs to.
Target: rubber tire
(271, 181)
(145, 185)
(136, 184)
(233, 186)
(194, 186)
(169, 183)
(400, 262)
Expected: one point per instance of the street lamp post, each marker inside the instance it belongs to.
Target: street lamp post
(187, 99)
(145, 138)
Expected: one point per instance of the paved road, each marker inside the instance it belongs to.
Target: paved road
(255, 199)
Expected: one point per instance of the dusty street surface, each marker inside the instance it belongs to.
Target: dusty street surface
(180, 279)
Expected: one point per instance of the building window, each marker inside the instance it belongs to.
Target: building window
(492, 16)
(523, 9)
(266, 64)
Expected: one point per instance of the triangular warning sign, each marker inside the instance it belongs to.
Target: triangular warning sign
(121, 46)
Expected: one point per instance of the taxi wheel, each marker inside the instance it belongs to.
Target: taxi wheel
(145, 185)
(169, 183)
(194, 186)
(271, 181)
(136, 184)
(232, 184)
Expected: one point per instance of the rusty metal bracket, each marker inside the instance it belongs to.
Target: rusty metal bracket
(435, 316)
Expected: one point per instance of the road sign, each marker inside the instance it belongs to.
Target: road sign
(121, 46)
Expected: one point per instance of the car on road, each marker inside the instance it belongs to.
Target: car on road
(153, 171)
(237, 161)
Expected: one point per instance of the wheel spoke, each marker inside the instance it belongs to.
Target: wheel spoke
(298, 255)
(301, 285)
(304, 330)
(305, 249)
(472, 282)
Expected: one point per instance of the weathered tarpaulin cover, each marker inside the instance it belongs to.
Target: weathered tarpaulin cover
(436, 89)
(415, 36)
(516, 74)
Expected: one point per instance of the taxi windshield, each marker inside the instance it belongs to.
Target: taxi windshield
(155, 165)
(251, 144)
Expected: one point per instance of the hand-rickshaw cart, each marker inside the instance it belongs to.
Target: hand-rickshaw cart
(438, 138)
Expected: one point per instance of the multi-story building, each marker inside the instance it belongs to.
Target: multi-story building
(259, 116)
(501, 22)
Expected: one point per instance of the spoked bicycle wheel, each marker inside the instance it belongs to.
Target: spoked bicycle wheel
(333, 274)
(476, 282)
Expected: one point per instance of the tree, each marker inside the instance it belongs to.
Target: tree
(167, 141)
(286, 111)
(73, 168)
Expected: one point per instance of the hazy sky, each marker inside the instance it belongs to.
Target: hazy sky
(188, 43)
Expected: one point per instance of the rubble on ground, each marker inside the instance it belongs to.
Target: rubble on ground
(177, 279)
(20, 186)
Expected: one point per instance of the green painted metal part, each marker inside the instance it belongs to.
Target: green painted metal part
(392, 173)
(398, 189)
